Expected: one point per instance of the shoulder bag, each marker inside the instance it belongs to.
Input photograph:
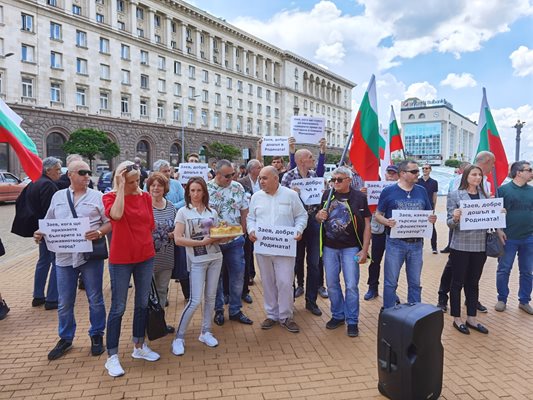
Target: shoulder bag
(156, 326)
(494, 246)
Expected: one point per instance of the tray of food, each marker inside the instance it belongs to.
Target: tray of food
(223, 230)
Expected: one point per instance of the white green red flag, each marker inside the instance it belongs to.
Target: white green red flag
(395, 141)
(490, 140)
(20, 142)
(364, 149)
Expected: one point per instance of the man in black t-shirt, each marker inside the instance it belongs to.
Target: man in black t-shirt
(432, 188)
(346, 239)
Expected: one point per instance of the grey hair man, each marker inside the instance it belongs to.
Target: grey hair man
(64, 181)
(176, 194)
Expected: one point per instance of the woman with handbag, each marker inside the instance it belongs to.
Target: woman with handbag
(193, 223)
(131, 253)
(467, 252)
(163, 235)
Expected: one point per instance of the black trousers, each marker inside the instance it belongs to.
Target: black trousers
(376, 254)
(434, 239)
(445, 282)
(466, 269)
(249, 266)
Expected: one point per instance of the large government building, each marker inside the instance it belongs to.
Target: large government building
(434, 132)
(161, 78)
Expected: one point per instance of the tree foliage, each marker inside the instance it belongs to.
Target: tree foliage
(223, 151)
(89, 143)
(452, 162)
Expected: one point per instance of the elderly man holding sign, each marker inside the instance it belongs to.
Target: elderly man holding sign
(279, 208)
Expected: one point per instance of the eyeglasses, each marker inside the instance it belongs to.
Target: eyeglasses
(426, 168)
(83, 172)
(413, 171)
(526, 170)
(337, 180)
(228, 176)
(132, 167)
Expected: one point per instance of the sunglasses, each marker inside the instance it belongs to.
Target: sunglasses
(413, 171)
(83, 172)
(337, 180)
(228, 176)
(132, 167)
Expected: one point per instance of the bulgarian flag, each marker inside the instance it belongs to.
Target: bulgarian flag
(394, 133)
(364, 149)
(14, 135)
(490, 140)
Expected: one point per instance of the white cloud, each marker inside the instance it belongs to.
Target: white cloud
(421, 90)
(522, 60)
(332, 53)
(459, 81)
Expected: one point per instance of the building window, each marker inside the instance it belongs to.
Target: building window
(259, 92)
(422, 116)
(124, 51)
(161, 110)
(121, 25)
(239, 104)
(229, 122)
(52, 3)
(144, 57)
(161, 62)
(216, 120)
(81, 96)
(140, 32)
(173, 44)
(217, 80)
(268, 111)
(27, 23)
(190, 115)
(267, 94)
(205, 120)
(173, 27)
(104, 101)
(205, 76)
(161, 85)
(55, 31)
(177, 67)
(157, 21)
(229, 83)
(229, 101)
(192, 92)
(27, 87)
(239, 124)
(250, 89)
(55, 92)
(81, 39)
(105, 72)
(28, 53)
(296, 86)
(124, 104)
(276, 112)
(125, 77)
(177, 89)
(76, 10)
(176, 113)
(121, 6)
(239, 86)
(144, 81)
(139, 13)
(143, 108)
(104, 45)
(81, 66)
(100, 18)
(56, 60)
(249, 123)
(205, 96)
(250, 106)
(192, 72)
(259, 109)
(157, 38)
(217, 99)
(276, 97)
(411, 116)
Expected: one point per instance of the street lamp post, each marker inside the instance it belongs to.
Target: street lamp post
(518, 126)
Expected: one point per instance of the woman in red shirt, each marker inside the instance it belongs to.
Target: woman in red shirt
(131, 253)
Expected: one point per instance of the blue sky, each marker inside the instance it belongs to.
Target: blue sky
(429, 49)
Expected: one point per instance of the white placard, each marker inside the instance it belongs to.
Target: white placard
(411, 224)
(374, 189)
(275, 146)
(307, 129)
(311, 189)
(66, 235)
(245, 154)
(275, 241)
(481, 214)
(188, 170)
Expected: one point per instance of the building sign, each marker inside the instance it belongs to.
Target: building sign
(415, 103)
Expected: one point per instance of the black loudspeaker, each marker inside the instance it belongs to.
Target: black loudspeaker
(410, 352)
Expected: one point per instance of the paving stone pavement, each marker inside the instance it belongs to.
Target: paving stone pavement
(251, 363)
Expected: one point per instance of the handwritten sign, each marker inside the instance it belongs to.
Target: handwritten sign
(188, 170)
(307, 129)
(275, 146)
(275, 241)
(481, 214)
(66, 235)
(311, 189)
(411, 224)
(374, 189)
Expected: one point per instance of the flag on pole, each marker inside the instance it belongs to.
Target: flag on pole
(490, 140)
(14, 135)
(364, 149)
(395, 141)
(386, 158)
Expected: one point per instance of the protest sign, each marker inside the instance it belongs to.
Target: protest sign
(311, 189)
(307, 129)
(275, 241)
(481, 214)
(188, 170)
(374, 189)
(411, 224)
(275, 146)
(66, 235)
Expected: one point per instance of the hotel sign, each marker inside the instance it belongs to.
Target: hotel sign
(423, 104)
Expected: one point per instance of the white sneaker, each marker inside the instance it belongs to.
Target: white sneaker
(178, 347)
(145, 353)
(208, 339)
(113, 366)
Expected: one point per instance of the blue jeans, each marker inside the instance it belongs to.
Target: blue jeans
(309, 246)
(233, 261)
(342, 308)
(524, 248)
(120, 275)
(46, 258)
(398, 252)
(67, 285)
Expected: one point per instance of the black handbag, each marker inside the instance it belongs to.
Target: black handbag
(2, 248)
(156, 326)
(494, 246)
(99, 245)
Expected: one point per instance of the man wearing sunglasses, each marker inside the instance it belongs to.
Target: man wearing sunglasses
(432, 187)
(404, 195)
(64, 180)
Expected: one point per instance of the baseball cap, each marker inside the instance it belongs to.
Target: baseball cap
(393, 168)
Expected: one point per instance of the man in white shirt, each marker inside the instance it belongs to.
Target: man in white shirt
(276, 205)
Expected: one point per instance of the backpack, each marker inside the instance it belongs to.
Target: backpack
(25, 222)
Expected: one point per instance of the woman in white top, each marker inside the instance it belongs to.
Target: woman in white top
(192, 231)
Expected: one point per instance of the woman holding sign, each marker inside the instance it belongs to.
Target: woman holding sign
(467, 252)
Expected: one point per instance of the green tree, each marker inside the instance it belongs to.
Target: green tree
(89, 143)
(223, 151)
(335, 158)
(452, 162)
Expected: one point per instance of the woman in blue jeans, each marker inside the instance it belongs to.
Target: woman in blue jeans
(131, 253)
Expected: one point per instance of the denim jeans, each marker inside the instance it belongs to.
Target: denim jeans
(524, 248)
(378, 249)
(67, 285)
(120, 275)
(310, 243)
(335, 260)
(46, 258)
(233, 261)
(398, 252)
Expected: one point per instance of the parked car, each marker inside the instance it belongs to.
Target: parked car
(104, 182)
(10, 186)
